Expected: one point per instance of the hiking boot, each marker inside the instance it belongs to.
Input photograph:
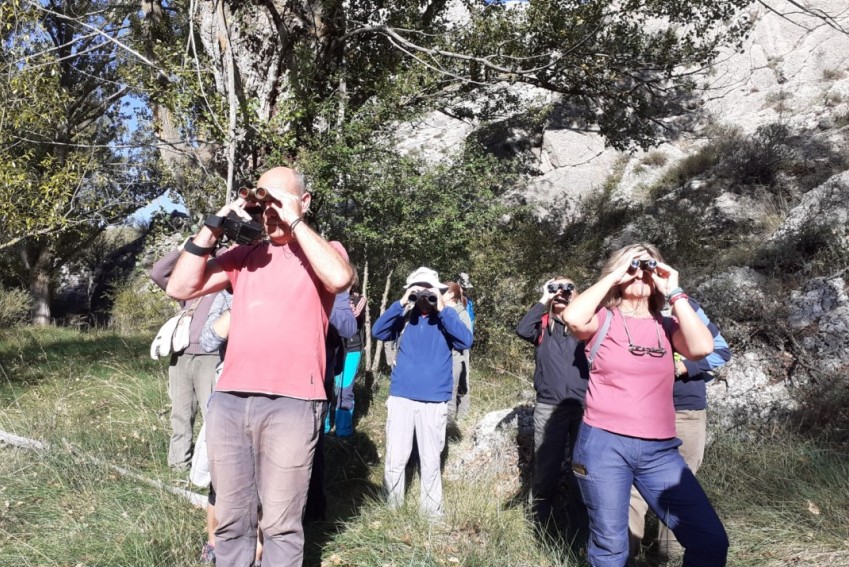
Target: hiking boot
(207, 554)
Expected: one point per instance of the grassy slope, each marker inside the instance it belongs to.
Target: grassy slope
(97, 394)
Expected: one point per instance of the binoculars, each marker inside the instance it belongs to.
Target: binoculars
(647, 265)
(254, 194)
(555, 287)
(425, 294)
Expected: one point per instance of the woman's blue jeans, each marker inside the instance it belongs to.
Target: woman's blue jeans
(607, 464)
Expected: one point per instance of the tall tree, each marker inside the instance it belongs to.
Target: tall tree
(71, 166)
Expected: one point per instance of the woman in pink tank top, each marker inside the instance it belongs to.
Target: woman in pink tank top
(628, 433)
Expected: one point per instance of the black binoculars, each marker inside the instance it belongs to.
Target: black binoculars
(425, 294)
(555, 287)
(647, 265)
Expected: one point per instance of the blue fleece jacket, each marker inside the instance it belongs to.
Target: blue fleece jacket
(423, 365)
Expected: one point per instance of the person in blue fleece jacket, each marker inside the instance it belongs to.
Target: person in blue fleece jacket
(422, 379)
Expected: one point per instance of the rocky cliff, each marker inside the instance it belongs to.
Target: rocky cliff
(761, 176)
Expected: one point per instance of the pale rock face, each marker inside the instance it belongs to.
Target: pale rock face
(739, 209)
(780, 60)
(747, 395)
(433, 137)
(439, 135)
(572, 162)
(820, 313)
(827, 206)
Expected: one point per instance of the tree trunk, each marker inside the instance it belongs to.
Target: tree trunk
(368, 316)
(38, 258)
(379, 348)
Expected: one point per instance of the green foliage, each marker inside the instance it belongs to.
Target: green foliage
(61, 113)
(397, 211)
(140, 306)
(71, 167)
(692, 165)
(611, 59)
(15, 305)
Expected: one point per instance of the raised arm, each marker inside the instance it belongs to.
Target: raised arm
(692, 338)
(580, 316)
(332, 269)
(530, 328)
(197, 275)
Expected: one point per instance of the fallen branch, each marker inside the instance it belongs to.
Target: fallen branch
(196, 499)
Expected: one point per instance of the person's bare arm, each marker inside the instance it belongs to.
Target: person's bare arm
(328, 264)
(194, 276)
(692, 338)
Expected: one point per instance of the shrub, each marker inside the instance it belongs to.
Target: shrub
(759, 158)
(655, 158)
(833, 74)
(689, 167)
(139, 305)
(15, 306)
(779, 101)
(813, 251)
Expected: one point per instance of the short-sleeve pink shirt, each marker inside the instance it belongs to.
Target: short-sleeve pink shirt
(631, 394)
(278, 323)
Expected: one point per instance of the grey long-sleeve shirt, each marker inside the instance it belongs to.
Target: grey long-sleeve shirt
(160, 273)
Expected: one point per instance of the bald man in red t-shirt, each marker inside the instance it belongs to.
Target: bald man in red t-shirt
(266, 411)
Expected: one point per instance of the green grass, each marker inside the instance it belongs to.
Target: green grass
(98, 400)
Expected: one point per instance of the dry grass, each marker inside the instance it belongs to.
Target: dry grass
(784, 500)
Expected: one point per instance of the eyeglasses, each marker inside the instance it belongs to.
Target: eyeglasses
(641, 350)
(638, 350)
(555, 287)
(647, 265)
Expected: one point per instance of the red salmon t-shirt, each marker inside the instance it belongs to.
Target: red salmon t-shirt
(278, 323)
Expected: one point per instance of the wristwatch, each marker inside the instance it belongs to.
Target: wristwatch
(193, 248)
(214, 221)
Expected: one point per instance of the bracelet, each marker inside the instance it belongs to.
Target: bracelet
(294, 224)
(675, 291)
(676, 297)
(193, 248)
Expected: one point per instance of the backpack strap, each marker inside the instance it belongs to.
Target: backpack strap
(542, 327)
(599, 337)
(191, 309)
